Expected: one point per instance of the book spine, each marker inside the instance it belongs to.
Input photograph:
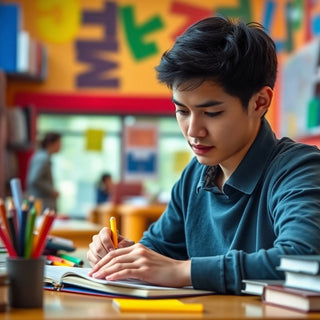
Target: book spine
(285, 307)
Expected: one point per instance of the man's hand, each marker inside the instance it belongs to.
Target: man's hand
(138, 262)
(102, 244)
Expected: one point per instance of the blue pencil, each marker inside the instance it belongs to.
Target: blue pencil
(12, 227)
(13, 210)
(22, 227)
(16, 190)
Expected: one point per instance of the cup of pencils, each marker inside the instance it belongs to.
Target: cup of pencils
(25, 244)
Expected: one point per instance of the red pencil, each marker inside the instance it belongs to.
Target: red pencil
(48, 218)
(7, 243)
(3, 214)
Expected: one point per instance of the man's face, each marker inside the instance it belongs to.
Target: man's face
(215, 124)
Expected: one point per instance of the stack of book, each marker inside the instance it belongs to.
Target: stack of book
(301, 288)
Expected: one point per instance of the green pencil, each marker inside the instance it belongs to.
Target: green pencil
(29, 232)
(77, 261)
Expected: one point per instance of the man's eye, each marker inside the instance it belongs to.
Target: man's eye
(181, 111)
(213, 114)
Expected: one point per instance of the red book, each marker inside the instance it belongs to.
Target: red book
(291, 298)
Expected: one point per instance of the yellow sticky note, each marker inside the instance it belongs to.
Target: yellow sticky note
(94, 139)
(154, 305)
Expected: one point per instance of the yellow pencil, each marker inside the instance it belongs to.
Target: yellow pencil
(61, 264)
(114, 233)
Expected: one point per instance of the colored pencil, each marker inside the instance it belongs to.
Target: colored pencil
(13, 212)
(7, 243)
(23, 227)
(77, 261)
(29, 232)
(3, 213)
(48, 218)
(31, 200)
(16, 190)
(12, 230)
(62, 262)
(114, 231)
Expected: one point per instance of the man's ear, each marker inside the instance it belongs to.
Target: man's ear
(262, 100)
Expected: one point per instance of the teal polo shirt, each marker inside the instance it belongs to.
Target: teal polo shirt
(269, 206)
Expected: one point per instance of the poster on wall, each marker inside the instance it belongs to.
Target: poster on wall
(140, 151)
(300, 105)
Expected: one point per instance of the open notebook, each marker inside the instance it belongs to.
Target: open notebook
(73, 279)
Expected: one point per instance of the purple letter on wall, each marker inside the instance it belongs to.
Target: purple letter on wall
(91, 51)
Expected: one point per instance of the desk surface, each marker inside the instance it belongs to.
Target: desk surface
(58, 305)
(64, 306)
(79, 231)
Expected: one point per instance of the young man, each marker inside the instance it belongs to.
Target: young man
(246, 197)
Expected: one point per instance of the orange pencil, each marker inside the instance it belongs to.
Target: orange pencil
(48, 218)
(3, 214)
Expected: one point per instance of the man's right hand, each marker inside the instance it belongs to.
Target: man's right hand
(102, 244)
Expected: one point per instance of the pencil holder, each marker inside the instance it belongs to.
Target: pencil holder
(26, 282)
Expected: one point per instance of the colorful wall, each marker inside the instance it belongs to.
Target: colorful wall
(101, 49)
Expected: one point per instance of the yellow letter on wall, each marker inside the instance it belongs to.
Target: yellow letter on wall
(59, 20)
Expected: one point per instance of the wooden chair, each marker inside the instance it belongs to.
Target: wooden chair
(121, 192)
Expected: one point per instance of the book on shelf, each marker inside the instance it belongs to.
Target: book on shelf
(300, 263)
(157, 306)
(10, 17)
(255, 286)
(76, 280)
(291, 298)
(23, 51)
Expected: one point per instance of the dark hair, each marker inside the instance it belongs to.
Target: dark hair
(49, 138)
(239, 57)
(104, 176)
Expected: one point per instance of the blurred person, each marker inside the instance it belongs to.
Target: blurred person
(40, 182)
(104, 188)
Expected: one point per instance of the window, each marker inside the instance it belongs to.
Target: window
(76, 170)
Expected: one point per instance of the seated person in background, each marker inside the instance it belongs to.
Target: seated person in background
(39, 176)
(104, 188)
(247, 197)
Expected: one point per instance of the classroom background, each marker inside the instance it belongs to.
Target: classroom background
(86, 70)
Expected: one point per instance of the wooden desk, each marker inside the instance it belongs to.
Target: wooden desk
(58, 305)
(136, 218)
(79, 231)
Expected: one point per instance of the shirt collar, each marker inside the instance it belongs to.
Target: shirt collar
(250, 169)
